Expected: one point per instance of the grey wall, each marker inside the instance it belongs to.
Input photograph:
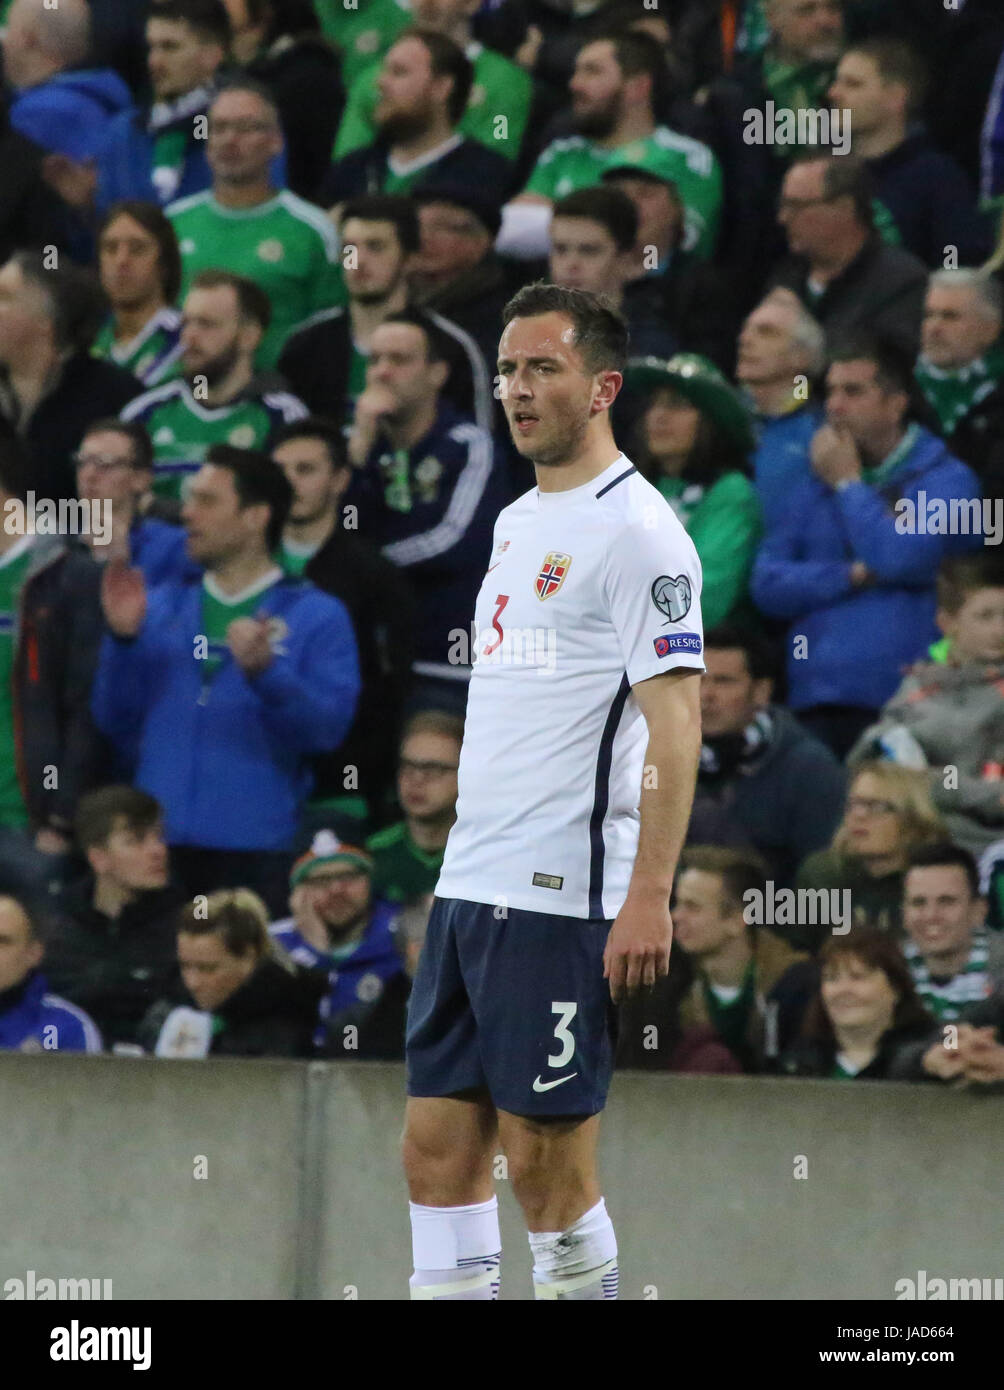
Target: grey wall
(303, 1194)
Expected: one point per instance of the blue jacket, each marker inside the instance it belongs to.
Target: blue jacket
(858, 641)
(71, 113)
(361, 976)
(228, 758)
(33, 1020)
(125, 164)
(781, 461)
(992, 146)
(158, 549)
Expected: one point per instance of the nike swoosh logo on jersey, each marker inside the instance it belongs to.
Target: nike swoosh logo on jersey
(539, 1085)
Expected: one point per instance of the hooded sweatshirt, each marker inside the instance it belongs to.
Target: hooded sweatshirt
(71, 112)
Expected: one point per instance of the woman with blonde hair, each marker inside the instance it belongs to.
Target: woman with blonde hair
(887, 815)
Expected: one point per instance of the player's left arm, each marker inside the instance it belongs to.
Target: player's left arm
(638, 946)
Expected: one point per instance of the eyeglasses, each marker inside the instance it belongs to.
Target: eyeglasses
(426, 769)
(103, 465)
(869, 807)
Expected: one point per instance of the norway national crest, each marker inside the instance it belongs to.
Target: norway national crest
(552, 573)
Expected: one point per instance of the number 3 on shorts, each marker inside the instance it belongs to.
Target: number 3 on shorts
(561, 1033)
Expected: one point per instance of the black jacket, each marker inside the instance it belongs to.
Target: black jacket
(882, 292)
(365, 170)
(382, 607)
(115, 968)
(978, 439)
(816, 1059)
(85, 390)
(932, 202)
(273, 1014)
(303, 75)
(57, 634)
(381, 1026)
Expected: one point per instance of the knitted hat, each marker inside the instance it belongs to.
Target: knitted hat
(326, 848)
(702, 384)
(479, 202)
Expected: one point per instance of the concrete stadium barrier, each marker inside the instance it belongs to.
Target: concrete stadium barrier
(302, 1194)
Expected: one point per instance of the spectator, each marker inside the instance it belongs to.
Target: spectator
(424, 86)
(407, 856)
(255, 674)
(429, 487)
(780, 358)
(325, 359)
(866, 1017)
(790, 68)
(763, 781)
(115, 465)
(220, 398)
(279, 42)
(50, 386)
(361, 36)
(498, 85)
(969, 1053)
(61, 104)
(593, 237)
(374, 1030)
(355, 781)
(888, 816)
(748, 987)
(31, 213)
(156, 154)
(141, 274)
(614, 91)
(952, 957)
(32, 1019)
(252, 228)
(339, 926)
(696, 437)
(880, 86)
(837, 264)
(961, 369)
(245, 998)
(949, 712)
(856, 584)
(112, 947)
(50, 628)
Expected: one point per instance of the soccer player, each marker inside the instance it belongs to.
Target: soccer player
(575, 782)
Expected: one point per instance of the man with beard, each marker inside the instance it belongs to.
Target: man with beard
(252, 227)
(338, 926)
(614, 91)
(424, 87)
(218, 399)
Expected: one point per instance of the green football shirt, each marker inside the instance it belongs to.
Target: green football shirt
(287, 246)
(219, 610)
(361, 30)
(182, 429)
(573, 163)
(401, 870)
(13, 569)
(153, 356)
(500, 88)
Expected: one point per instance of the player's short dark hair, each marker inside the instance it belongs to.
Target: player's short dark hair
(437, 346)
(152, 219)
(947, 856)
(897, 62)
(236, 915)
(208, 19)
(252, 301)
(14, 468)
(446, 59)
(740, 870)
(845, 176)
(636, 52)
(317, 427)
(400, 212)
(133, 430)
(610, 207)
(75, 302)
(893, 366)
(960, 576)
(257, 479)
(760, 659)
(100, 813)
(601, 331)
(434, 721)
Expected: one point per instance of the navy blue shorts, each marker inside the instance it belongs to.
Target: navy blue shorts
(514, 1003)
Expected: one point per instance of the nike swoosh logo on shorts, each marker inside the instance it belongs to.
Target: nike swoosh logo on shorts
(539, 1085)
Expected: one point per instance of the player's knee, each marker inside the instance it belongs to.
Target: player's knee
(437, 1172)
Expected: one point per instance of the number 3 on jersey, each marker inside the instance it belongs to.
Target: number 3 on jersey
(501, 600)
(562, 1034)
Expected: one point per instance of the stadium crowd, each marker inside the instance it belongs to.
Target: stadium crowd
(254, 256)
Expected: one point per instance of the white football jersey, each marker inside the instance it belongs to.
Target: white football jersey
(588, 592)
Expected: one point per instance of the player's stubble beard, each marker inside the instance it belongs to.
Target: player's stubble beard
(564, 445)
(600, 122)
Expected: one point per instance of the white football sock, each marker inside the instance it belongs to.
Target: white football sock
(580, 1263)
(457, 1251)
